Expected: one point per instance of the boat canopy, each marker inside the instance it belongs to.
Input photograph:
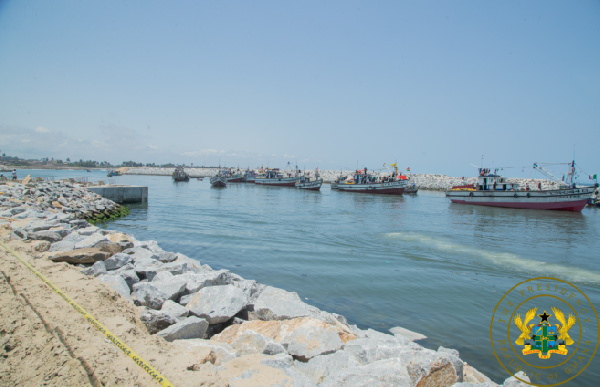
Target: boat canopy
(492, 182)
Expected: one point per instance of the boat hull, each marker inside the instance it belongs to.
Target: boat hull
(277, 182)
(311, 185)
(572, 199)
(218, 181)
(389, 188)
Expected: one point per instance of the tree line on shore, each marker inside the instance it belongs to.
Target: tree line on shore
(51, 162)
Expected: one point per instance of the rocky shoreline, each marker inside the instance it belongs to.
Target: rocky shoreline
(422, 180)
(275, 335)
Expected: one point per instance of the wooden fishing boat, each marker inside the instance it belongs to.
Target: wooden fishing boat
(180, 174)
(308, 183)
(363, 182)
(218, 181)
(273, 177)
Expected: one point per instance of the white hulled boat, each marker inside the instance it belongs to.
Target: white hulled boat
(274, 177)
(494, 190)
(363, 182)
(308, 183)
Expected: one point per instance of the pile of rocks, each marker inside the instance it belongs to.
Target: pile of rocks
(31, 199)
(183, 301)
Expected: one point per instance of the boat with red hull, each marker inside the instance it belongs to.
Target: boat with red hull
(495, 191)
(363, 182)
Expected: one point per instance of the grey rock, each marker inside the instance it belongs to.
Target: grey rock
(117, 261)
(98, 268)
(162, 276)
(166, 256)
(277, 304)
(79, 256)
(46, 235)
(321, 366)
(308, 341)
(517, 380)
(189, 328)
(217, 304)
(154, 294)
(185, 299)
(141, 253)
(19, 233)
(412, 336)
(116, 283)
(251, 342)
(90, 241)
(197, 281)
(388, 372)
(156, 321)
(129, 276)
(177, 310)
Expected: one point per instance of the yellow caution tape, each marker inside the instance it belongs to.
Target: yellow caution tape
(114, 339)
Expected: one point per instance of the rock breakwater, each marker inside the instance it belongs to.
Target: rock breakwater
(254, 333)
(422, 180)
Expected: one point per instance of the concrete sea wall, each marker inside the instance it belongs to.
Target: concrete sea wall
(279, 336)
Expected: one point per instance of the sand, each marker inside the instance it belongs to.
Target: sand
(45, 341)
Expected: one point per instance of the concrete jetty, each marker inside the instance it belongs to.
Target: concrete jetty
(122, 193)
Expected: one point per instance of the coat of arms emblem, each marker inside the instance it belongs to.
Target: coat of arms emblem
(544, 338)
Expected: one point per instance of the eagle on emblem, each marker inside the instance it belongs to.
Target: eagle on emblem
(563, 331)
(525, 331)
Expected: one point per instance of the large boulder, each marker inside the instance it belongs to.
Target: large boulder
(156, 321)
(87, 255)
(117, 283)
(190, 328)
(217, 304)
(154, 294)
(277, 304)
(303, 337)
(117, 261)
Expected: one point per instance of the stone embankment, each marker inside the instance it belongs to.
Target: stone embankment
(422, 180)
(254, 333)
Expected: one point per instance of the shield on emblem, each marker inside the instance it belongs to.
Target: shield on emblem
(544, 336)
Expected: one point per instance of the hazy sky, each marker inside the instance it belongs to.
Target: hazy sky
(433, 85)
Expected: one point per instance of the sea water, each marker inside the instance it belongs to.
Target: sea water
(415, 261)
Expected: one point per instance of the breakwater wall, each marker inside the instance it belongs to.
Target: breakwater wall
(422, 180)
(279, 337)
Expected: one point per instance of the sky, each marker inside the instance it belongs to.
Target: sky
(437, 86)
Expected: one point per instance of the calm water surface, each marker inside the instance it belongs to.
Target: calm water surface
(418, 262)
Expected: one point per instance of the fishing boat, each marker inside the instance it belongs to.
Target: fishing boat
(219, 181)
(411, 188)
(180, 174)
(113, 173)
(341, 179)
(308, 183)
(273, 177)
(233, 176)
(249, 176)
(494, 190)
(594, 200)
(363, 182)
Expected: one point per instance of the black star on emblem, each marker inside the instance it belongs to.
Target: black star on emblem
(544, 317)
